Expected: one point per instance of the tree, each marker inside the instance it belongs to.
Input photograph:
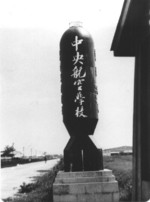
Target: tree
(8, 151)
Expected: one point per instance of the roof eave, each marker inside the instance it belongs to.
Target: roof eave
(130, 28)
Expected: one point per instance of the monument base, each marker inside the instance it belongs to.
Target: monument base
(87, 186)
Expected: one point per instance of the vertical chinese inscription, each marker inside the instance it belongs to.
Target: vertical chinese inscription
(79, 75)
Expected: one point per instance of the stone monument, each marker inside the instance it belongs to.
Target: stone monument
(84, 178)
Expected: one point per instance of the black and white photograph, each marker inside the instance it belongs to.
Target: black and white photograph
(75, 100)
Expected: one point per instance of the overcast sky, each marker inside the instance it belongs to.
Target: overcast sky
(30, 31)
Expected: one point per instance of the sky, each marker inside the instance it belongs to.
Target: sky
(30, 32)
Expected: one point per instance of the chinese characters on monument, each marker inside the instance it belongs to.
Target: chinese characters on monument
(79, 75)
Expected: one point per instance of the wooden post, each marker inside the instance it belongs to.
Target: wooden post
(141, 131)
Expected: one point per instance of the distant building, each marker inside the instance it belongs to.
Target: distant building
(124, 150)
(114, 153)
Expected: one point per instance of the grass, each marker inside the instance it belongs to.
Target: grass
(122, 169)
(41, 190)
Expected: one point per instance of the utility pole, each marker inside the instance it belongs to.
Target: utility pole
(31, 152)
(23, 149)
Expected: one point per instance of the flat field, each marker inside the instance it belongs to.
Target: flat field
(122, 169)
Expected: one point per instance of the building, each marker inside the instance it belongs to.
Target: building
(124, 150)
(132, 38)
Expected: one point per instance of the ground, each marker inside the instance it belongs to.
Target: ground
(41, 191)
(122, 169)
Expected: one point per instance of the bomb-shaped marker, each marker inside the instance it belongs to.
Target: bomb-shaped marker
(79, 97)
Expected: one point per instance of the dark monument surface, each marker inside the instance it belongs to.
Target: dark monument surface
(79, 99)
(84, 178)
